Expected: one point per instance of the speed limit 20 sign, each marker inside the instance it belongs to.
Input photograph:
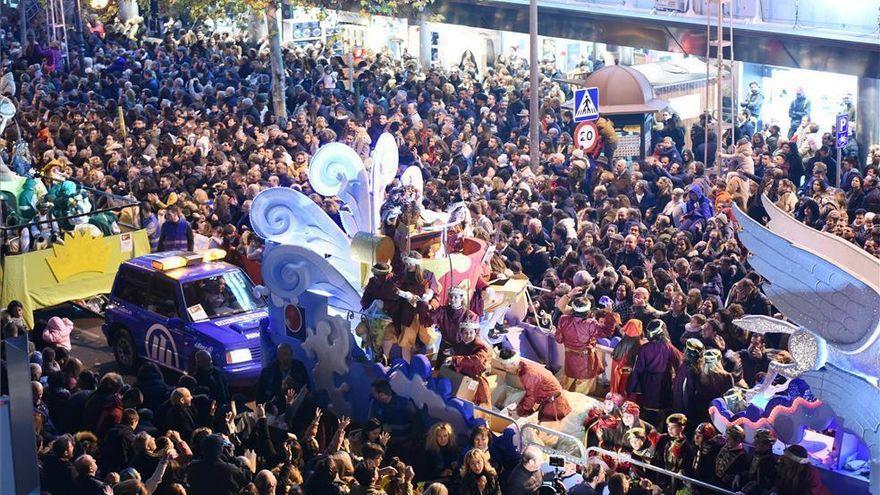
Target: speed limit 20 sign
(587, 136)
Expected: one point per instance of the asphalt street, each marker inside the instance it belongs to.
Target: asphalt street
(87, 339)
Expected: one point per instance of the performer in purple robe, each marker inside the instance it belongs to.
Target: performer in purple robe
(651, 376)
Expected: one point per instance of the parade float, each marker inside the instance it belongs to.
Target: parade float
(827, 398)
(315, 269)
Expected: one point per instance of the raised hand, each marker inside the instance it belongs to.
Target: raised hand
(384, 437)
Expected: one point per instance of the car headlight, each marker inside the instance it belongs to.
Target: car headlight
(238, 356)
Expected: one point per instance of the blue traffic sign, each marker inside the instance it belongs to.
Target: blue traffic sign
(586, 104)
(842, 127)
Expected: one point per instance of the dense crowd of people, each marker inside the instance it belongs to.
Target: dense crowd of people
(641, 251)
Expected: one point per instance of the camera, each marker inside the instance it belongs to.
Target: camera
(556, 461)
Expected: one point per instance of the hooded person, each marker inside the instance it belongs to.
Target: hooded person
(211, 474)
(697, 211)
(543, 392)
(57, 332)
(578, 332)
(623, 357)
(472, 357)
(651, 376)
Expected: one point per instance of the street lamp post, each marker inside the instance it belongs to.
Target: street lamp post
(534, 155)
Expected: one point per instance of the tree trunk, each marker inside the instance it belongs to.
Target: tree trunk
(279, 104)
(424, 40)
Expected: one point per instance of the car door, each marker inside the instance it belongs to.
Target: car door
(128, 303)
(165, 339)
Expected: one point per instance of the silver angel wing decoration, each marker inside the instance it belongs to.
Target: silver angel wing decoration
(289, 217)
(385, 161)
(336, 170)
(840, 252)
(811, 291)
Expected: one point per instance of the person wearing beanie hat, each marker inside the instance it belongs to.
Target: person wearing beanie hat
(381, 301)
(577, 331)
(732, 463)
(623, 357)
(761, 475)
(472, 357)
(651, 376)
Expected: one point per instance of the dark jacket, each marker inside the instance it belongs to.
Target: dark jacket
(181, 419)
(469, 484)
(117, 448)
(89, 485)
(213, 379)
(152, 385)
(58, 475)
(522, 482)
(214, 477)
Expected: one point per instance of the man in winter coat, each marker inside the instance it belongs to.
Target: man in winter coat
(798, 109)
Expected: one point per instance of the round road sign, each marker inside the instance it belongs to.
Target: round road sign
(587, 136)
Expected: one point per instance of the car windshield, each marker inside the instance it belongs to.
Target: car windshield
(226, 294)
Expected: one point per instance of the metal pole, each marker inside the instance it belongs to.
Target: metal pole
(720, 68)
(534, 155)
(22, 22)
(838, 164)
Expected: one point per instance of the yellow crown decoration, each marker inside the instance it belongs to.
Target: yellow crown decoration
(80, 252)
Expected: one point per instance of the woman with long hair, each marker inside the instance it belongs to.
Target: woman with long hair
(442, 452)
(623, 357)
(478, 477)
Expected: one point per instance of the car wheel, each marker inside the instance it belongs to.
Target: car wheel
(124, 351)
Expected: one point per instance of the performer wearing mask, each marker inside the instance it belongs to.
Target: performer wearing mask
(472, 357)
(417, 288)
(578, 331)
(448, 319)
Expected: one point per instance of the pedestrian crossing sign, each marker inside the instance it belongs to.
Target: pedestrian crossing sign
(586, 104)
